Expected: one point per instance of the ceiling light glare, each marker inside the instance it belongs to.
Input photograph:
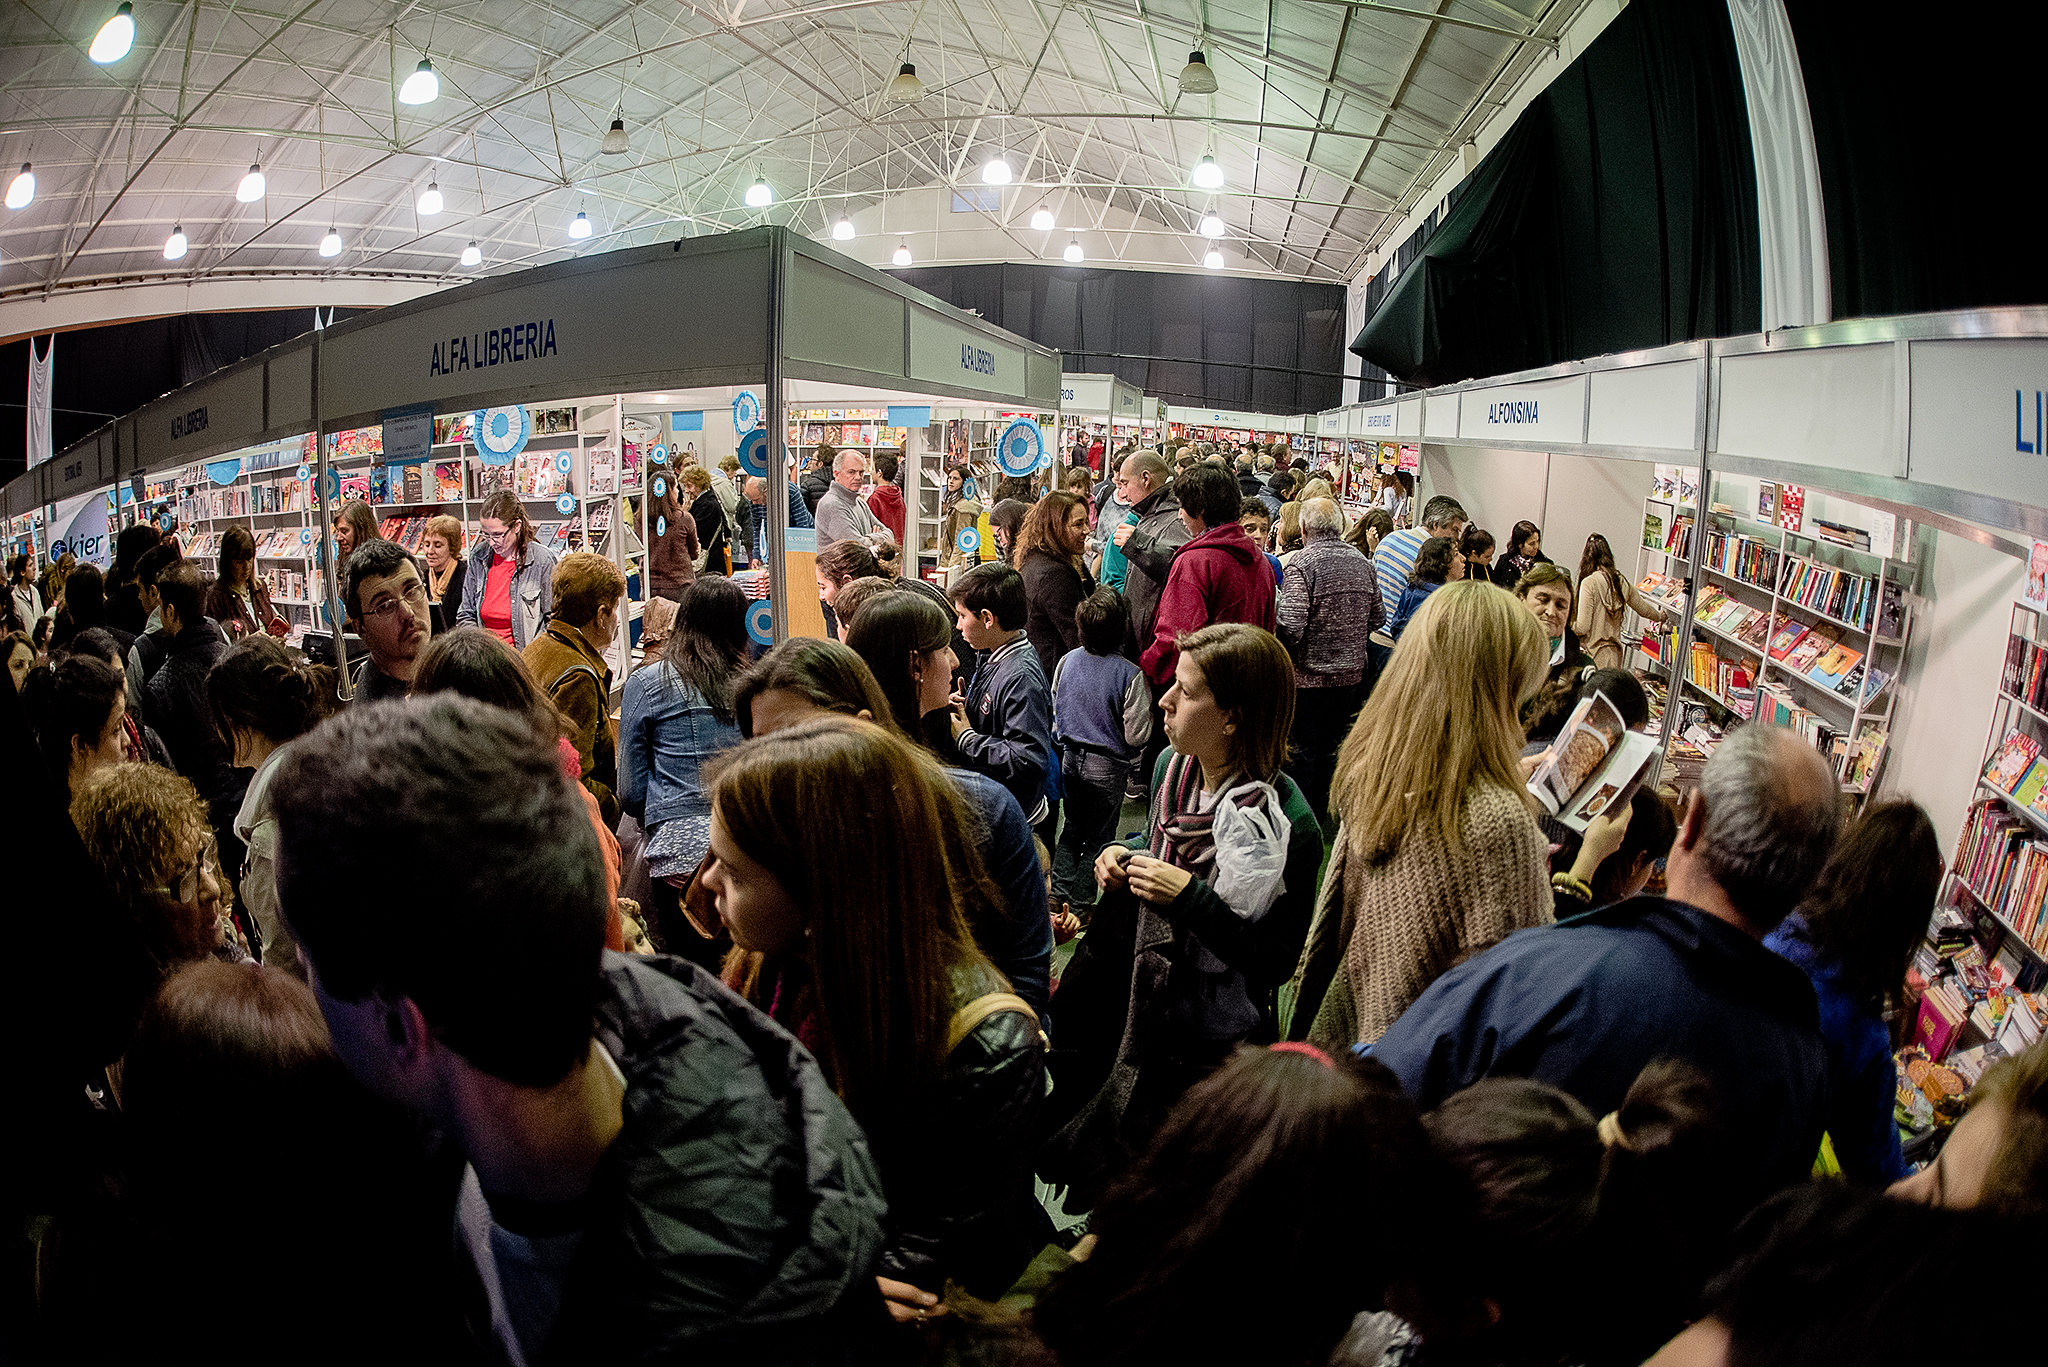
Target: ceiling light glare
(1073, 252)
(431, 202)
(1207, 175)
(996, 171)
(330, 245)
(614, 144)
(579, 226)
(842, 231)
(175, 245)
(1214, 260)
(115, 37)
(1212, 226)
(901, 256)
(251, 188)
(905, 88)
(1042, 220)
(22, 188)
(759, 196)
(422, 87)
(472, 255)
(1196, 78)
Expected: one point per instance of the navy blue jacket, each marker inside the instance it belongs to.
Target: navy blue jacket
(757, 528)
(1586, 1004)
(1009, 710)
(1021, 944)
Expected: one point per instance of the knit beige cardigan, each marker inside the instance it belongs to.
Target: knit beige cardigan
(1401, 925)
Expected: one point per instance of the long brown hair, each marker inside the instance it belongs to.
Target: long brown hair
(1441, 720)
(505, 506)
(1598, 558)
(1045, 529)
(881, 950)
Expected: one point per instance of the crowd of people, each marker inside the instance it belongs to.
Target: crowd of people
(834, 1003)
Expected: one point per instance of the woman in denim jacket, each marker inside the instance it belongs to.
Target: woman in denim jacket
(677, 716)
(507, 550)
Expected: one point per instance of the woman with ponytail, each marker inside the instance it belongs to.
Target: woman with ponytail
(263, 696)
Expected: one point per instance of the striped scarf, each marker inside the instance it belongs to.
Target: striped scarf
(1183, 835)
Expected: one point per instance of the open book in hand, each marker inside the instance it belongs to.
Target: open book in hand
(1594, 764)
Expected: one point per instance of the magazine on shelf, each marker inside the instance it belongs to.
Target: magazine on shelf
(1594, 764)
(2009, 765)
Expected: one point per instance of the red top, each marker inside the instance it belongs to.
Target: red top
(1220, 576)
(495, 611)
(885, 501)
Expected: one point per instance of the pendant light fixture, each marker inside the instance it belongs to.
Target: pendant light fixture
(1042, 220)
(842, 231)
(579, 226)
(904, 88)
(1196, 78)
(1207, 175)
(472, 255)
(759, 195)
(115, 37)
(175, 245)
(330, 245)
(422, 87)
(22, 189)
(901, 256)
(1073, 252)
(1212, 225)
(251, 188)
(1213, 259)
(431, 202)
(614, 144)
(996, 170)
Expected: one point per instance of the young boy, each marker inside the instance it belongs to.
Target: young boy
(1102, 715)
(1003, 724)
(1258, 525)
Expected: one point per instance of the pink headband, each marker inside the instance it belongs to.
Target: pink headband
(1305, 1050)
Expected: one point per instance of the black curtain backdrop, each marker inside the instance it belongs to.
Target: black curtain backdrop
(105, 372)
(1267, 346)
(1619, 212)
(1927, 128)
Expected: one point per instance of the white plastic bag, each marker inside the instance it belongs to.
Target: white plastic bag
(1251, 850)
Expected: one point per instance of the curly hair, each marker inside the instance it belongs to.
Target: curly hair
(135, 819)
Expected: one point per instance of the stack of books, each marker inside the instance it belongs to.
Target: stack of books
(2005, 864)
(1742, 557)
(1842, 594)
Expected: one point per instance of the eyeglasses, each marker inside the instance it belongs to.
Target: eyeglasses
(415, 593)
(186, 889)
(496, 538)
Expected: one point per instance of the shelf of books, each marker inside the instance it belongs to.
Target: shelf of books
(1781, 631)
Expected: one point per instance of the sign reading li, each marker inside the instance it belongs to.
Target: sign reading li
(500, 346)
(2036, 447)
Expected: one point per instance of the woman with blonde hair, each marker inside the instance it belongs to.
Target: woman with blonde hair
(1438, 854)
(879, 975)
(1048, 555)
(1288, 537)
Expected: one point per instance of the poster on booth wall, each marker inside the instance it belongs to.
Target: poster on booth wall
(1410, 460)
(1791, 507)
(83, 528)
(2034, 588)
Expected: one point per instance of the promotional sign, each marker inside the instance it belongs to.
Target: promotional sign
(753, 453)
(761, 622)
(408, 434)
(746, 411)
(224, 472)
(1410, 459)
(565, 504)
(800, 567)
(1021, 447)
(686, 422)
(969, 541)
(501, 433)
(86, 531)
(2034, 588)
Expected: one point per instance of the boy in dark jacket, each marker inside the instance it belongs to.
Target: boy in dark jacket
(1003, 724)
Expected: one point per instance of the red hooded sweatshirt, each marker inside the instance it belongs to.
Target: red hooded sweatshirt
(1220, 576)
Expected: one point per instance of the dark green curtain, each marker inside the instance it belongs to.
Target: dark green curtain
(1619, 212)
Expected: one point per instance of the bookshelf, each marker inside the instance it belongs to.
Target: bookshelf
(1797, 630)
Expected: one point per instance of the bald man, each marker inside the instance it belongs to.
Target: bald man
(1588, 1004)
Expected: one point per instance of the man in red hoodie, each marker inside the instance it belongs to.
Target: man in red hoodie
(1218, 576)
(885, 500)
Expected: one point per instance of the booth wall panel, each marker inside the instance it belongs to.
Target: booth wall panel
(1497, 488)
(1589, 495)
(1830, 407)
(1645, 406)
(837, 319)
(291, 391)
(203, 420)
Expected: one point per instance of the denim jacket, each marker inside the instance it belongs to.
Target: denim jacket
(667, 732)
(533, 591)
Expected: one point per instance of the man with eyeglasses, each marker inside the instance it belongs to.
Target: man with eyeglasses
(387, 600)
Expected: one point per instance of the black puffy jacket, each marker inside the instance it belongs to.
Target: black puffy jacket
(174, 701)
(738, 1217)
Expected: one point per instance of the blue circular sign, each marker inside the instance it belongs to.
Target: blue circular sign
(305, 536)
(305, 472)
(501, 433)
(661, 526)
(564, 462)
(746, 411)
(761, 622)
(969, 540)
(565, 504)
(1020, 448)
(659, 455)
(660, 487)
(753, 453)
(333, 485)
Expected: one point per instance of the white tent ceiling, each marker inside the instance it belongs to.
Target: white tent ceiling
(1333, 118)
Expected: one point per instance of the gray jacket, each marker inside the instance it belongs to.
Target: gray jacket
(533, 591)
(841, 516)
(1158, 535)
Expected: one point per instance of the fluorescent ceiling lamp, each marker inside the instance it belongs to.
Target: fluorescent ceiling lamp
(430, 200)
(1073, 252)
(1214, 260)
(22, 188)
(905, 88)
(115, 37)
(1207, 175)
(579, 226)
(1042, 220)
(901, 256)
(175, 245)
(842, 231)
(422, 87)
(759, 196)
(614, 144)
(1196, 78)
(472, 255)
(251, 188)
(330, 245)
(1212, 226)
(996, 170)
